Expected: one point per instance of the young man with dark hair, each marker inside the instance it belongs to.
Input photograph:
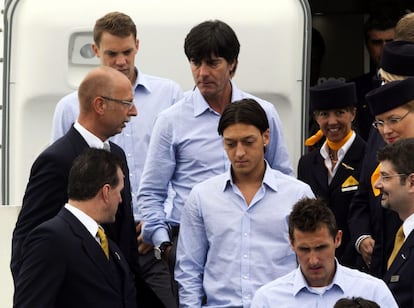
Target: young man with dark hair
(320, 280)
(237, 221)
(378, 30)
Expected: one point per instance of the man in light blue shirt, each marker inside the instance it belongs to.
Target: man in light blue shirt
(151, 95)
(185, 148)
(320, 280)
(233, 234)
(116, 45)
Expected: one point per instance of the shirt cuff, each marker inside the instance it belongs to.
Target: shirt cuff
(359, 240)
(161, 235)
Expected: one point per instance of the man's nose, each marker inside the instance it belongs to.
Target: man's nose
(133, 112)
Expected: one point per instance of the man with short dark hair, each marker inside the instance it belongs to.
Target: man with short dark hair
(378, 30)
(320, 280)
(396, 183)
(67, 261)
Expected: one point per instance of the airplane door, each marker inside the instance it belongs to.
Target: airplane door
(46, 56)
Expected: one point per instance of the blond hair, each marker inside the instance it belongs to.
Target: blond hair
(404, 30)
(388, 77)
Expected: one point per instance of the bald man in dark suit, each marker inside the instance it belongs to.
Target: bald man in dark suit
(106, 105)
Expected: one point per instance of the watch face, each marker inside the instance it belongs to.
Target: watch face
(157, 253)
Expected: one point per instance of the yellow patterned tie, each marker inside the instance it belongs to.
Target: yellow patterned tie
(399, 240)
(104, 241)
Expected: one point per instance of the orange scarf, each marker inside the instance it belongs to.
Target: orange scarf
(335, 146)
(312, 140)
(374, 177)
(332, 145)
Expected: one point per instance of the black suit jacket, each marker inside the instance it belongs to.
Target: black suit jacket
(64, 266)
(312, 170)
(367, 216)
(46, 194)
(399, 277)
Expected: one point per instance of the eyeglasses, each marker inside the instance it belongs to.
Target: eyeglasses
(379, 124)
(385, 178)
(121, 101)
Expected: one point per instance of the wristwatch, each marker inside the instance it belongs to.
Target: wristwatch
(159, 251)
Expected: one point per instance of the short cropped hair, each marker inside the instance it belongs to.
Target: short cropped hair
(90, 171)
(400, 154)
(245, 111)
(115, 23)
(309, 214)
(355, 302)
(379, 22)
(212, 38)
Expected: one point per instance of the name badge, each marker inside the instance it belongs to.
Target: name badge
(395, 278)
(349, 184)
(349, 188)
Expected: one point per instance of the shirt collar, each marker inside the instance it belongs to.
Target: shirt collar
(341, 152)
(201, 105)
(91, 139)
(300, 283)
(142, 82)
(85, 219)
(408, 225)
(268, 179)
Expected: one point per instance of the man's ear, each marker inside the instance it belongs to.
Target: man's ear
(95, 50)
(266, 137)
(99, 105)
(105, 192)
(338, 238)
(410, 181)
(233, 68)
(137, 44)
(291, 244)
